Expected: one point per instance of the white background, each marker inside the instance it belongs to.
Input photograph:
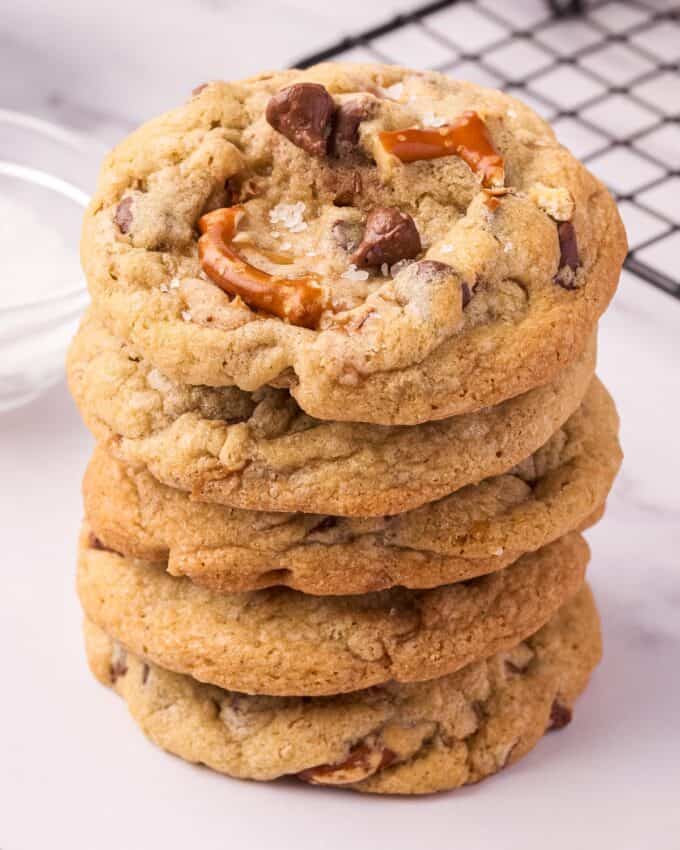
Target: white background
(74, 770)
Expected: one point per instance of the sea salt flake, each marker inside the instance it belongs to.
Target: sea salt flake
(508, 247)
(291, 216)
(164, 287)
(385, 269)
(446, 249)
(432, 120)
(174, 283)
(400, 266)
(353, 273)
(186, 315)
(286, 246)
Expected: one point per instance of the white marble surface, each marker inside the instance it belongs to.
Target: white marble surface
(75, 772)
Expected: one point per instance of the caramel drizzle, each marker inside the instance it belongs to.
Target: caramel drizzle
(299, 301)
(467, 138)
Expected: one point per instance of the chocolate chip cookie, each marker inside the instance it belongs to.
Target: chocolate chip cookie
(393, 739)
(392, 246)
(281, 642)
(476, 530)
(260, 451)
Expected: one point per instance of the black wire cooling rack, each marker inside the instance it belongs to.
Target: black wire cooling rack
(605, 73)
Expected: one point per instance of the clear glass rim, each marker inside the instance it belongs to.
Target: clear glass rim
(29, 174)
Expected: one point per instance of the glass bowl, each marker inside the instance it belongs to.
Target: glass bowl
(45, 175)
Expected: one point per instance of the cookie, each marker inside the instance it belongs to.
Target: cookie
(394, 246)
(396, 739)
(478, 529)
(259, 451)
(282, 642)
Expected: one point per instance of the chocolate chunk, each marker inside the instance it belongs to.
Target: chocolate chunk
(466, 294)
(123, 214)
(303, 113)
(347, 234)
(560, 715)
(390, 235)
(345, 135)
(569, 259)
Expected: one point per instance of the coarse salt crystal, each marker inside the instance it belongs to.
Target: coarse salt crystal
(174, 283)
(186, 315)
(385, 269)
(353, 273)
(446, 249)
(508, 247)
(291, 216)
(400, 266)
(432, 120)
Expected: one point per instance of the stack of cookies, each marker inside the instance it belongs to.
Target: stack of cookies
(340, 367)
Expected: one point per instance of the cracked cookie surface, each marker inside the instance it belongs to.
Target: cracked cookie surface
(282, 642)
(476, 530)
(305, 197)
(398, 738)
(260, 451)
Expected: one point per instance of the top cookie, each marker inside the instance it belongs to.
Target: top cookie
(393, 246)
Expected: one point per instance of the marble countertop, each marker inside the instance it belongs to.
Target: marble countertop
(76, 772)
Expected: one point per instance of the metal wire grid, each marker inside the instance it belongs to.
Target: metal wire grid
(605, 73)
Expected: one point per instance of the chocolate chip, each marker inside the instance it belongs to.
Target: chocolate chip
(123, 214)
(303, 113)
(569, 258)
(560, 715)
(345, 135)
(347, 234)
(466, 294)
(390, 235)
